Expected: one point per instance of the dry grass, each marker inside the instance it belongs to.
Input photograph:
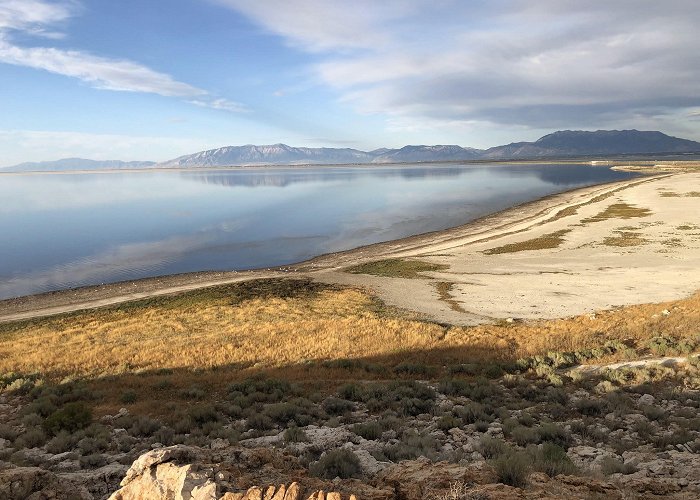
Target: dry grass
(546, 241)
(619, 211)
(397, 268)
(624, 239)
(673, 194)
(157, 347)
(444, 290)
(688, 227)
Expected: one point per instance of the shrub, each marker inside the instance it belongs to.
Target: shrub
(591, 407)
(471, 412)
(421, 369)
(93, 461)
(525, 435)
(89, 446)
(368, 430)
(283, 412)
(60, 443)
(610, 465)
(491, 447)
(295, 435)
(8, 432)
(72, 417)
(336, 406)
(552, 460)
(340, 463)
(144, 427)
(128, 397)
(554, 434)
(412, 445)
(193, 392)
(447, 422)
(201, 414)
(259, 421)
(43, 406)
(32, 438)
(512, 468)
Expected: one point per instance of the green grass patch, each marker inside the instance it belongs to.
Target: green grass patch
(550, 240)
(397, 268)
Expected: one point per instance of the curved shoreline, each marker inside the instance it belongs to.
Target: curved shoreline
(503, 223)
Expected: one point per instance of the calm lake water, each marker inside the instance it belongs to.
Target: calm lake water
(61, 231)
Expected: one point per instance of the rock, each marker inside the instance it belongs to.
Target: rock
(219, 444)
(22, 483)
(155, 457)
(99, 482)
(646, 399)
(168, 481)
(369, 464)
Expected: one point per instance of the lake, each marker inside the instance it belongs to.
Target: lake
(69, 230)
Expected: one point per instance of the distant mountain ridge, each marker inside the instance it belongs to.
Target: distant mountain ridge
(571, 143)
(78, 164)
(562, 144)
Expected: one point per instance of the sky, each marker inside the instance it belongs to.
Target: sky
(156, 79)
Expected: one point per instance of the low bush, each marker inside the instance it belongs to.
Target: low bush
(259, 422)
(412, 445)
(512, 468)
(340, 463)
(295, 435)
(71, 417)
(368, 430)
(525, 435)
(32, 438)
(555, 434)
(447, 422)
(552, 460)
(144, 427)
(336, 406)
(128, 397)
(60, 443)
(491, 447)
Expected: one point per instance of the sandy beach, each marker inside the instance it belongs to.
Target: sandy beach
(594, 248)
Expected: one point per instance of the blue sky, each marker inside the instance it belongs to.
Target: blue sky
(155, 79)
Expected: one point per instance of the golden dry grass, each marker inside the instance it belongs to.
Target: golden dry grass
(546, 241)
(624, 239)
(284, 332)
(619, 211)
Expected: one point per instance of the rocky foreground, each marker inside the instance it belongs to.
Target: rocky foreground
(623, 433)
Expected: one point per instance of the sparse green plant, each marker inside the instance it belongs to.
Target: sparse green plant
(340, 463)
(552, 460)
(295, 435)
(71, 417)
(491, 447)
(368, 430)
(512, 468)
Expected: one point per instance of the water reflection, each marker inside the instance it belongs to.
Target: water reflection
(559, 175)
(63, 231)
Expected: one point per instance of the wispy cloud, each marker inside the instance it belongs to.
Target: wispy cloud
(549, 63)
(38, 17)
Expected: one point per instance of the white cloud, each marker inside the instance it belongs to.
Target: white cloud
(321, 25)
(37, 16)
(102, 73)
(546, 64)
(223, 104)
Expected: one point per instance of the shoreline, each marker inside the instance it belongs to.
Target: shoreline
(510, 221)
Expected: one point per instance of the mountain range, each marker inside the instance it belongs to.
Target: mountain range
(562, 144)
